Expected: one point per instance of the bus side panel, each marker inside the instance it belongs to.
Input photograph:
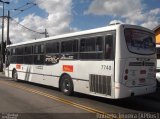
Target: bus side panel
(119, 66)
(37, 74)
(95, 78)
(24, 71)
(52, 73)
(55, 71)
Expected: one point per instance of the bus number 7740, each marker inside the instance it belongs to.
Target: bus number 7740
(106, 67)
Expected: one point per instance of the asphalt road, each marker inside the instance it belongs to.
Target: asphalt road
(28, 100)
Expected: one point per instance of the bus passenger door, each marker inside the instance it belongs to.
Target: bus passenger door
(38, 68)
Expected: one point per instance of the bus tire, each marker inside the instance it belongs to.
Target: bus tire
(66, 85)
(14, 75)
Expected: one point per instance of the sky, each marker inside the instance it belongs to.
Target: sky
(65, 16)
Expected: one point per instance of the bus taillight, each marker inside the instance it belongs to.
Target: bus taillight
(126, 76)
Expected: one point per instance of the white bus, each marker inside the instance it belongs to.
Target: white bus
(114, 62)
(158, 63)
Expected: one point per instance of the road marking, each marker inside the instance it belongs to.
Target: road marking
(86, 108)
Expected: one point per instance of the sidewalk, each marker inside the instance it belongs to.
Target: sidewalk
(2, 74)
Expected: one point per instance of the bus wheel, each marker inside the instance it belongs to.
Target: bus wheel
(66, 85)
(15, 75)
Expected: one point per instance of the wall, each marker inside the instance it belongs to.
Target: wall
(157, 32)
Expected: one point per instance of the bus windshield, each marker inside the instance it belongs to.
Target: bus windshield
(140, 42)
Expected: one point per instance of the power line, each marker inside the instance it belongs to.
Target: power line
(22, 11)
(20, 7)
(24, 8)
(38, 3)
(25, 27)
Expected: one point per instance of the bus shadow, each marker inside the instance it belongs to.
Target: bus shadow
(137, 103)
(39, 85)
(6, 78)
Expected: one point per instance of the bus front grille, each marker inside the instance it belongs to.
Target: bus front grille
(100, 84)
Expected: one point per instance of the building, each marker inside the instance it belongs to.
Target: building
(157, 33)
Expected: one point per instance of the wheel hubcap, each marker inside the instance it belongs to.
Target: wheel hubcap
(66, 86)
(15, 76)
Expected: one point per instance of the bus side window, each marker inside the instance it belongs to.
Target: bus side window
(109, 47)
(35, 49)
(19, 51)
(99, 43)
(82, 45)
(13, 51)
(69, 46)
(42, 48)
(70, 49)
(52, 47)
(91, 48)
(39, 54)
(39, 59)
(28, 50)
(39, 49)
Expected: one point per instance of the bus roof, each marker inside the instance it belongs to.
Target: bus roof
(97, 30)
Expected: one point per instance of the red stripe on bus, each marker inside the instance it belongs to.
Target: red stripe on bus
(18, 66)
(68, 68)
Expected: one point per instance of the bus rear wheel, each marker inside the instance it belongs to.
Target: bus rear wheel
(66, 85)
(15, 75)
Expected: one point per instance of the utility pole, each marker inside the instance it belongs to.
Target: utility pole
(45, 33)
(8, 42)
(2, 42)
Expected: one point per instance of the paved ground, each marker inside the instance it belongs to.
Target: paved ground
(36, 101)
